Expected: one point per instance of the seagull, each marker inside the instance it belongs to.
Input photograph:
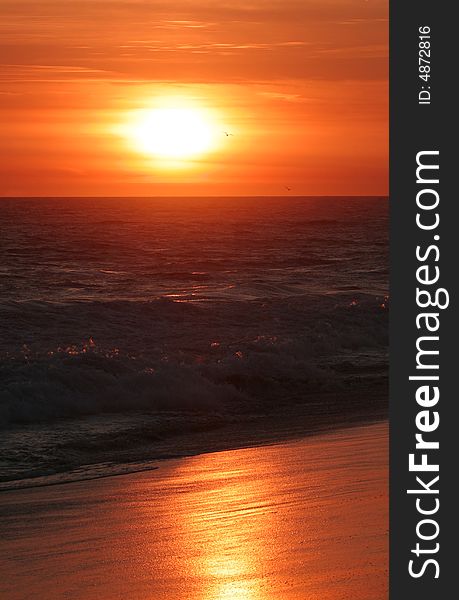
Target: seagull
(227, 134)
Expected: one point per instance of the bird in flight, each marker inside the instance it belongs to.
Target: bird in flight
(227, 134)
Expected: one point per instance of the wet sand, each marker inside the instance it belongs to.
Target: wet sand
(298, 520)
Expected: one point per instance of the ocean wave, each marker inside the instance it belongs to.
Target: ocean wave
(128, 321)
(204, 357)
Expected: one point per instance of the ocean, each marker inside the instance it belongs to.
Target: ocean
(126, 322)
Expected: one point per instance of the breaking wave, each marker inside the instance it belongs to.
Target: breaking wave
(229, 356)
(126, 322)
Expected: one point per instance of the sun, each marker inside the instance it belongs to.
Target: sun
(176, 133)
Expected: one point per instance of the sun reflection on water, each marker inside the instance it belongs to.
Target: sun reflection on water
(302, 520)
(230, 528)
(267, 523)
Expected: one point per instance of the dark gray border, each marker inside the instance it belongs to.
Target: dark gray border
(414, 128)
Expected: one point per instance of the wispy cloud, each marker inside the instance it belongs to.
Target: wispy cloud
(311, 72)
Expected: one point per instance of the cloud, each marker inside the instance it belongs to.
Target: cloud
(314, 70)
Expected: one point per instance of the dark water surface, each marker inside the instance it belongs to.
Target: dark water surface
(125, 321)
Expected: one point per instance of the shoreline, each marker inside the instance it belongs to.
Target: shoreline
(309, 420)
(262, 522)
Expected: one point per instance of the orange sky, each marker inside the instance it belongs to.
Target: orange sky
(302, 85)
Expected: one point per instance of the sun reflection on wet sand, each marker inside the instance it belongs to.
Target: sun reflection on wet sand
(303, 520)
(229, 527)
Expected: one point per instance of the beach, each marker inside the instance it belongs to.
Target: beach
(194, 300)
(303, 519)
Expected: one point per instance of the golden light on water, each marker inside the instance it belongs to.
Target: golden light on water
(300, 520)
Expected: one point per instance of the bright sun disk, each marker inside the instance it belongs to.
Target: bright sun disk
(173, 133)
